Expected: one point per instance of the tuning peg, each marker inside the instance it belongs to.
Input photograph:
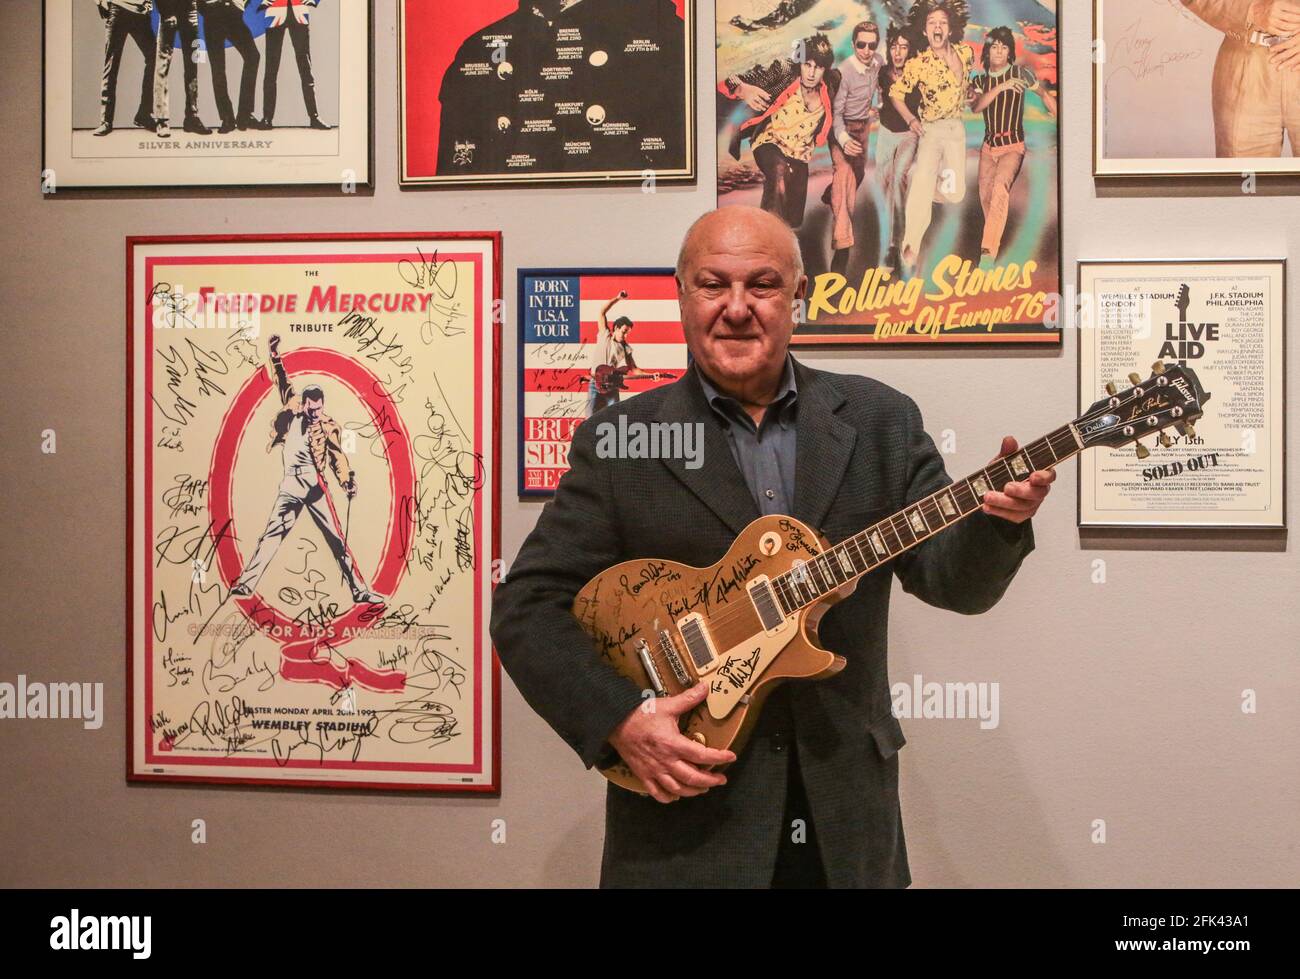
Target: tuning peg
(1135, 378)
(1142, 450)
(1191, 430)
(1164, 439)
(1185, 429)
(1111, 389)
(1158, 367)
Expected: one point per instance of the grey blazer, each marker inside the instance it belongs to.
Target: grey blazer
(862, 455)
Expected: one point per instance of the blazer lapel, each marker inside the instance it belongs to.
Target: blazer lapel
(825, 445)
(718, 483)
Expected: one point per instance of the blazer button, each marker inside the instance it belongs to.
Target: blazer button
(778, 743)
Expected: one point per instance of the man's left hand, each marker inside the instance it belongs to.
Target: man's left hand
(1018, 501)
(1285, 56)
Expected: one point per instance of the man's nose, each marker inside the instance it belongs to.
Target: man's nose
(737, 308)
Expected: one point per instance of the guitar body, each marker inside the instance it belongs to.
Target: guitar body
(610, 379)
(666, 626)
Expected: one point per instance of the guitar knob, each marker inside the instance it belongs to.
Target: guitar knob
(1111, 389)
(1135, 379)
(1158, 367)
(1142, 450)
(699, 737)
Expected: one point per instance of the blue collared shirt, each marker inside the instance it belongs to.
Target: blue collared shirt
(765, 453)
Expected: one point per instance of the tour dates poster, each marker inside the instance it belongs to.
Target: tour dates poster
(314, 509)
(506, 92)
(588, 338)
(913, 146)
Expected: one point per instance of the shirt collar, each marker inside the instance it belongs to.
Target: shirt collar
(728, 408)
(863, 69)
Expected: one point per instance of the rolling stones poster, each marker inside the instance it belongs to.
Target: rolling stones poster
(313, 509)
(588, 338)
(182, 93)
(505, 92)
(913, 146)
(1226, 321)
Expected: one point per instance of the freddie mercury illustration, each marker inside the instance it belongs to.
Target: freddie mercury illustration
(312, 446)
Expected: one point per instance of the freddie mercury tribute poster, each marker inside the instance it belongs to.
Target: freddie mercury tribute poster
(914, 148)
(313, 506)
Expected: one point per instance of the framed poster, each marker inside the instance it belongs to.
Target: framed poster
(588, 338)
(508, 92)
(1191, 89)
(187, 93)
(313, 509)
(1226, 320)
(926, 205)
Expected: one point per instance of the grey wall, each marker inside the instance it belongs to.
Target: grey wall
(1118, 701)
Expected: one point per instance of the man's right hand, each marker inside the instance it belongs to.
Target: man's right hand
(917, 126)
(753, 96)
(273, 344)
(852, 147)
(1276, 16)
(665, 760)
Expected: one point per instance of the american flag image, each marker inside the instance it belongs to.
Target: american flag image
(559, 313)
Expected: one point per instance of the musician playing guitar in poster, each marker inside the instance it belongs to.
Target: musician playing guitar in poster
(611, 360)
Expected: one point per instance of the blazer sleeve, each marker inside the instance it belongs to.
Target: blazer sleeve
(552, 661)
(1228, 16)
(965, 568)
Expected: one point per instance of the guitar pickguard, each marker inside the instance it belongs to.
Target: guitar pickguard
(740, 667)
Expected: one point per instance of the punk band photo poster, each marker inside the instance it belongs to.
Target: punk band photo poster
(314, 509)
(914, 147)
(1196, 88)
(588, 338)
(186, 93)
(509, 92)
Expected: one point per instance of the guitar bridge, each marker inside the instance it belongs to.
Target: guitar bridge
(674, 661)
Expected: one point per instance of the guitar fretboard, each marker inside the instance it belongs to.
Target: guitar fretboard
(915, 523)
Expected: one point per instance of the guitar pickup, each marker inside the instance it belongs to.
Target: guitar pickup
(764, 599)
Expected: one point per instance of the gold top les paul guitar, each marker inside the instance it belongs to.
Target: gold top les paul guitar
(765, 633)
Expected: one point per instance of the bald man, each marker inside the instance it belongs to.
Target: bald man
(812, 800)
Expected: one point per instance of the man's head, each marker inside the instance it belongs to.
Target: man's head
(739, 274)
(313, 402)
(940, 22)
(999, 49)
(818, 55)
(619, 329)
(899, 44)
(866, 39)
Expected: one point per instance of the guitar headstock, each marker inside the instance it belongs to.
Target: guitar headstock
(1171, 397)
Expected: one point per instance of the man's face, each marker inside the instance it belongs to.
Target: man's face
(898, 51)
(737, 295)
(620, 333)
(312, 408)
(937, 28)
(812, 74)
(864, 46)
(999, 54)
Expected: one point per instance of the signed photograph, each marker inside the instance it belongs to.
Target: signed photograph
(185, 93)
(1225, 320)
(1196, 87)
(588, 338)
(505, 92)
(913, 145)
(313, 509)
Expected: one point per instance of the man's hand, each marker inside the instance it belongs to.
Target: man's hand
(350, 487)
(1018, 501)
(663, 758)
(1016, 85)
(1285, 56)
(273, 344)
(753, 96)
(1275, 16)
(917, 127)
(852, 147)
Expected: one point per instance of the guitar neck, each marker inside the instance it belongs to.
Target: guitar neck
(917, 522)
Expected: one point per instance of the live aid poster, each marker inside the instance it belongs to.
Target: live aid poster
(914, 148)
(173, 93)
(588, 338)
(313, 509)
(504, 92)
